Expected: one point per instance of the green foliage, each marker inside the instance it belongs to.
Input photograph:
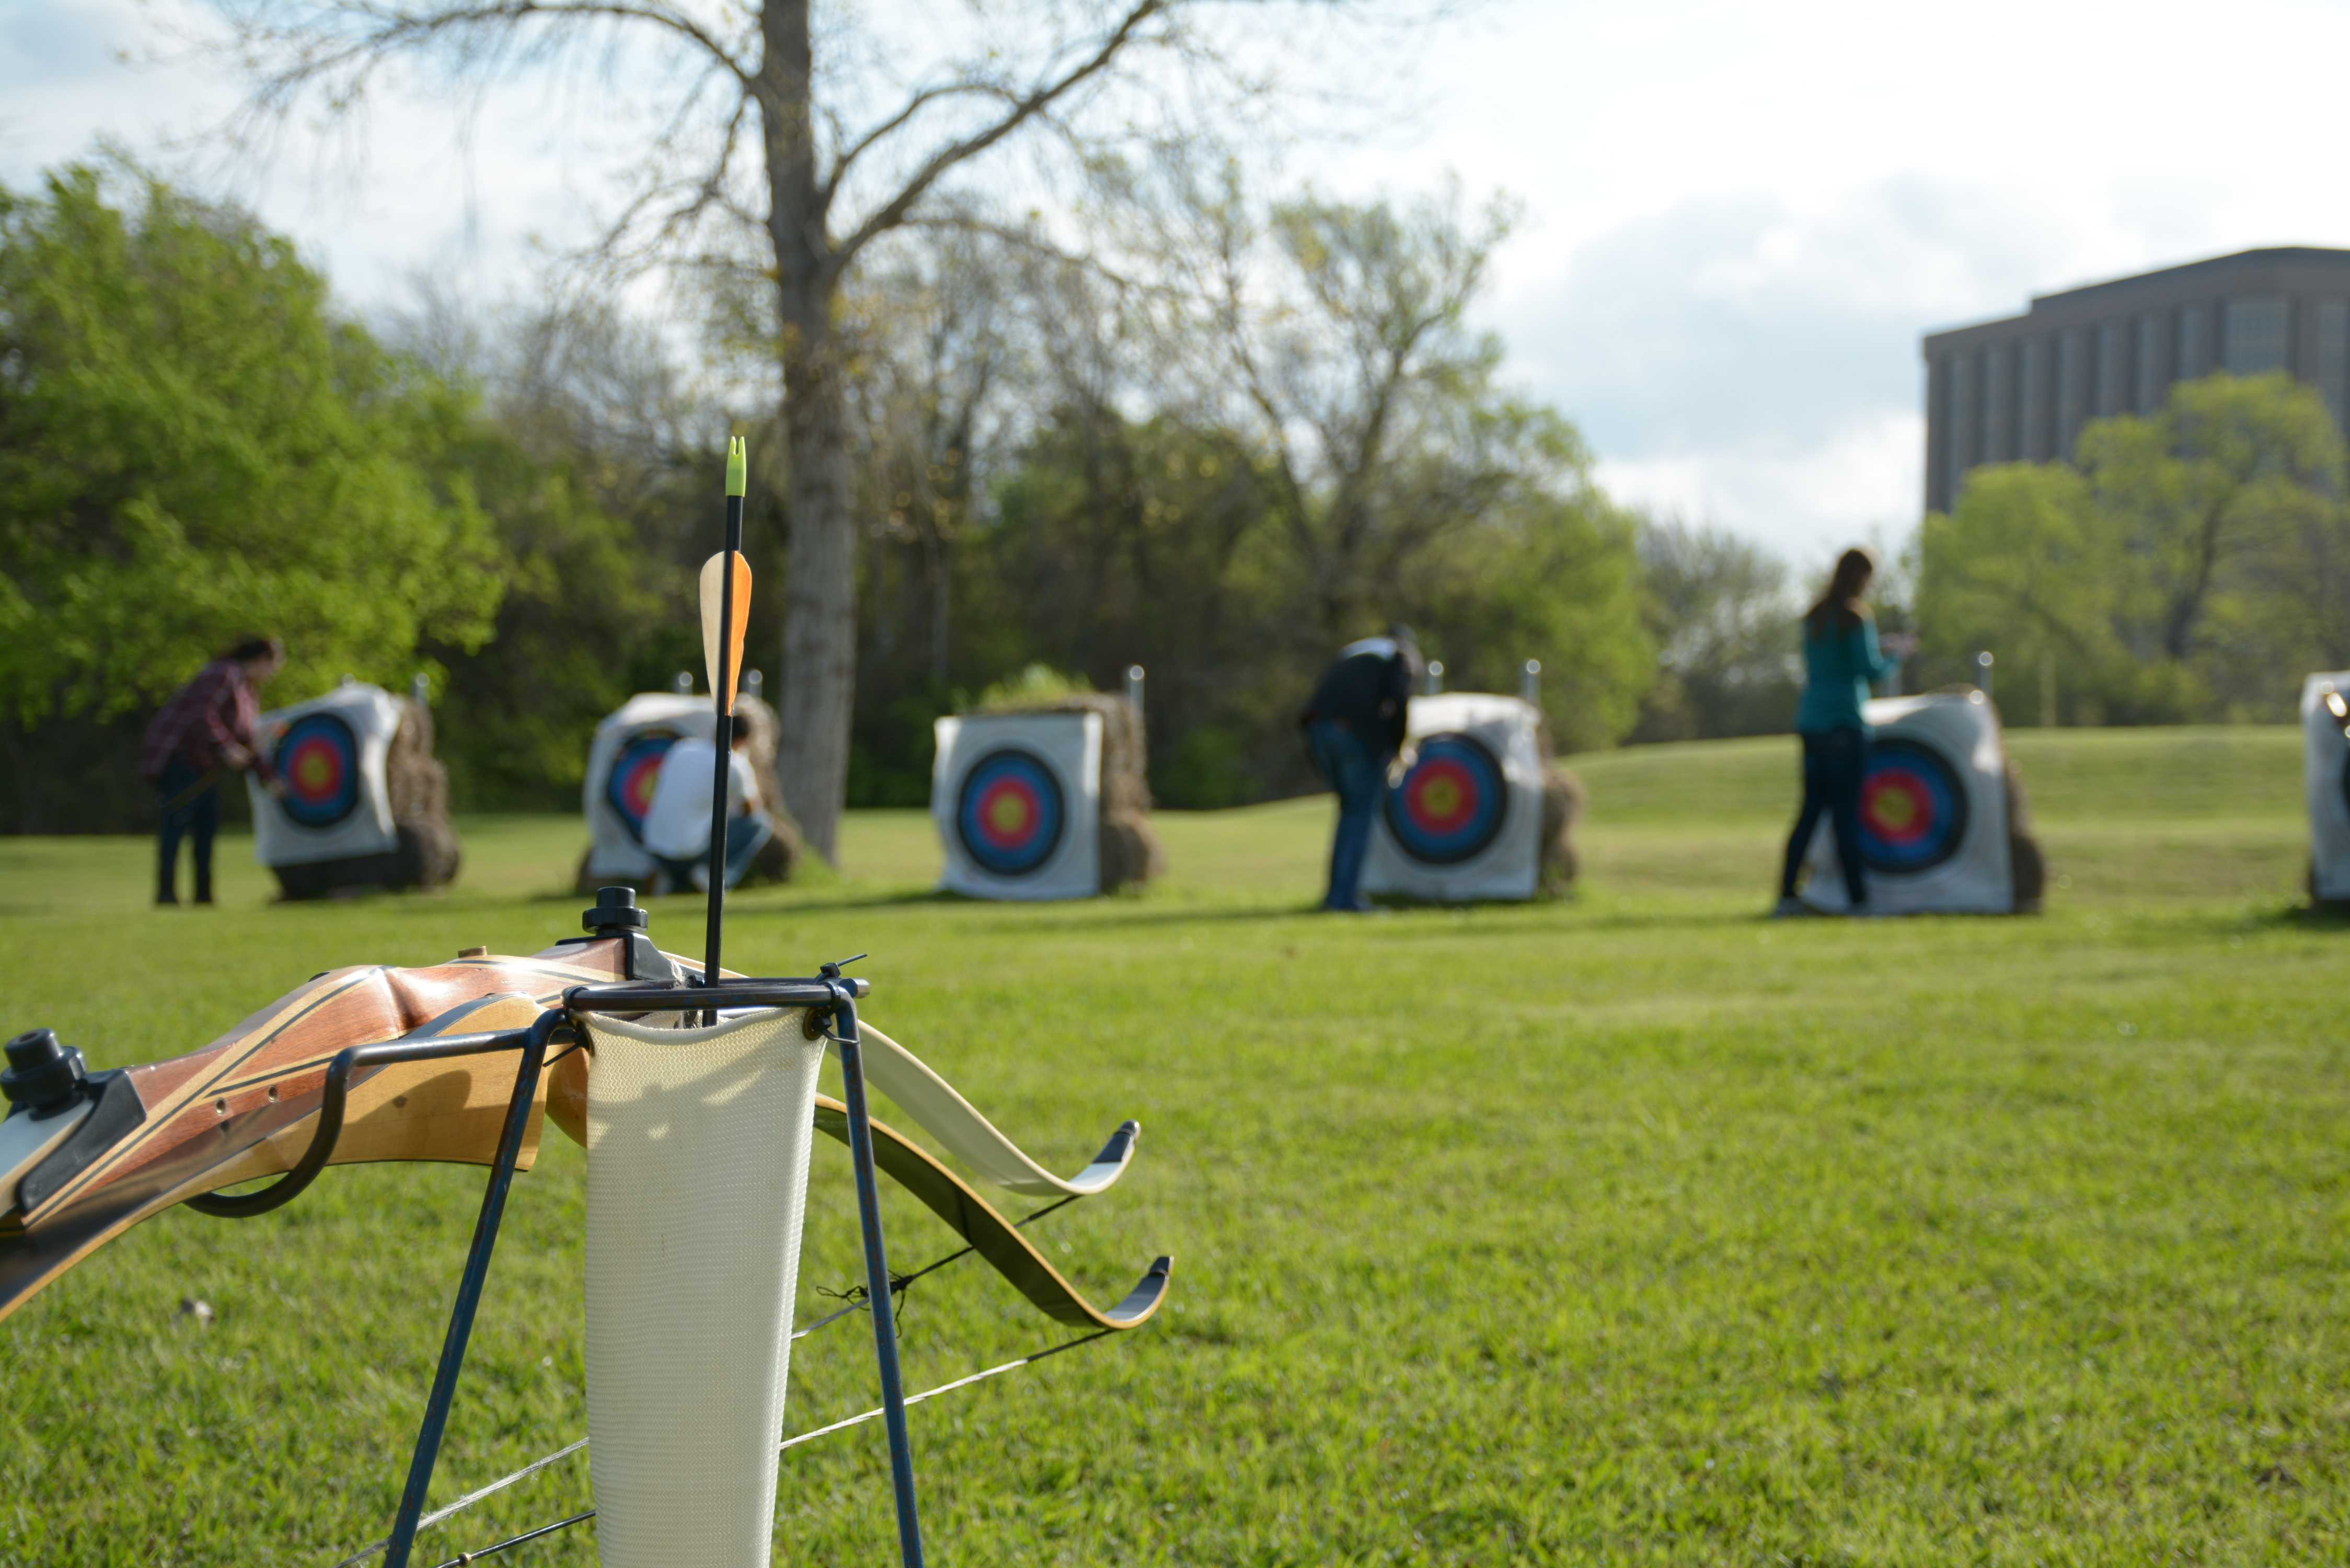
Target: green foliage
(1547, 567)
(1723, 615)
(581, 595)
(2190, 566)
(1034, 684)
(191, 449)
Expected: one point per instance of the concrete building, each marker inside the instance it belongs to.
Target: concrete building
(2021, 389)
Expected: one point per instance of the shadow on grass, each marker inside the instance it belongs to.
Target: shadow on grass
(2295, 917)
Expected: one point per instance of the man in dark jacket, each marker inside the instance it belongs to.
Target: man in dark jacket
(1355, 729)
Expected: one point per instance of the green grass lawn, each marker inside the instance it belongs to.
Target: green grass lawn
(1627, 1229)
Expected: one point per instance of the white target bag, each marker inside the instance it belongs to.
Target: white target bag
(1466, 822)
(2327, 771)
(624, 764)
(1933, 813)
(330, 752)
(1017, 801)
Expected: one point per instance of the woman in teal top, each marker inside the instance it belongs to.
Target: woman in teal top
(1841, 662)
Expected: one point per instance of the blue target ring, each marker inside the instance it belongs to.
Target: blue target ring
(317, 756)
(635, 773)
(1913, 808)
(1010, 813)
(1450, 806)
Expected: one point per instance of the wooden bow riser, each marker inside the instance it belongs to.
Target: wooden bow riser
(245, 1106)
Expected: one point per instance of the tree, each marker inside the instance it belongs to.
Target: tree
(2194, 555)
(1721, 612)
(1549, 570)
(1337, 335)
(192, 449)
(2026, 566)
(952, 90)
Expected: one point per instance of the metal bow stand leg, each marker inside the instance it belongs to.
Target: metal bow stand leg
(877, 1271)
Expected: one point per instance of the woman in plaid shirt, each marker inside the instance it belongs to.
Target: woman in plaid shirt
(204, 733)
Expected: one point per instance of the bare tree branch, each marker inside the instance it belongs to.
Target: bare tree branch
(388, 31)
(893, 211)
(921, 100)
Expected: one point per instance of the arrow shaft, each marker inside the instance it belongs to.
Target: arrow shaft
(721, 766)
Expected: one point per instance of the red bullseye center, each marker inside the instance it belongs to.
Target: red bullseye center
(316, 770)
(1009, 813)
(1898, 807)
(1442, 797)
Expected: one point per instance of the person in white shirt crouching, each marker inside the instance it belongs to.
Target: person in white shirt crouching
(677, 826)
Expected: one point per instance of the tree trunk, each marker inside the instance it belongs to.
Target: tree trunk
(819, 670)
(820, 595)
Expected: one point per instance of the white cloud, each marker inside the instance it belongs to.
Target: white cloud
(1824, 496)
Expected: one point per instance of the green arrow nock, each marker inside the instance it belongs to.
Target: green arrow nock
(738, 462)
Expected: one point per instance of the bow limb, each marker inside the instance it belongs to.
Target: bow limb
(931, 1103)
(990, 1234)
(245, 1105)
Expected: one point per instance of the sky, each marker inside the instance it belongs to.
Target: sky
(1738, 219)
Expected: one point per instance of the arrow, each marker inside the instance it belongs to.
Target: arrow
(725, 606)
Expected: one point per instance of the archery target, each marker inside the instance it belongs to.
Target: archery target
(2327, 773)
(1452, 804)
(635, 773)
(624, 764)
(1016, 798)
(1009, 814)
(318, 758)
(1933, 812)
(1465, 822)
(1913, 808)
(331, 753)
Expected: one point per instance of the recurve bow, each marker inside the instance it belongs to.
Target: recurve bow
(85, 1155)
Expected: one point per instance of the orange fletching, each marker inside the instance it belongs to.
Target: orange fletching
(713, 582)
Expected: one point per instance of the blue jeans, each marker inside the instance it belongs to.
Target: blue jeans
(1834, 765)
(745, 837)
(1357, 770)
(195, 818)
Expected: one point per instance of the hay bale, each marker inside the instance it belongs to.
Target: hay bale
(780, 856)
(1562, 809)
(1563, 803)
(418, 784)
(2027, 867)
(1131, 854)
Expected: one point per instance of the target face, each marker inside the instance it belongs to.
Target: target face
(1913, 808)
(635, 773)
(1450, 806)
(1009, 813)
(318, 758)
